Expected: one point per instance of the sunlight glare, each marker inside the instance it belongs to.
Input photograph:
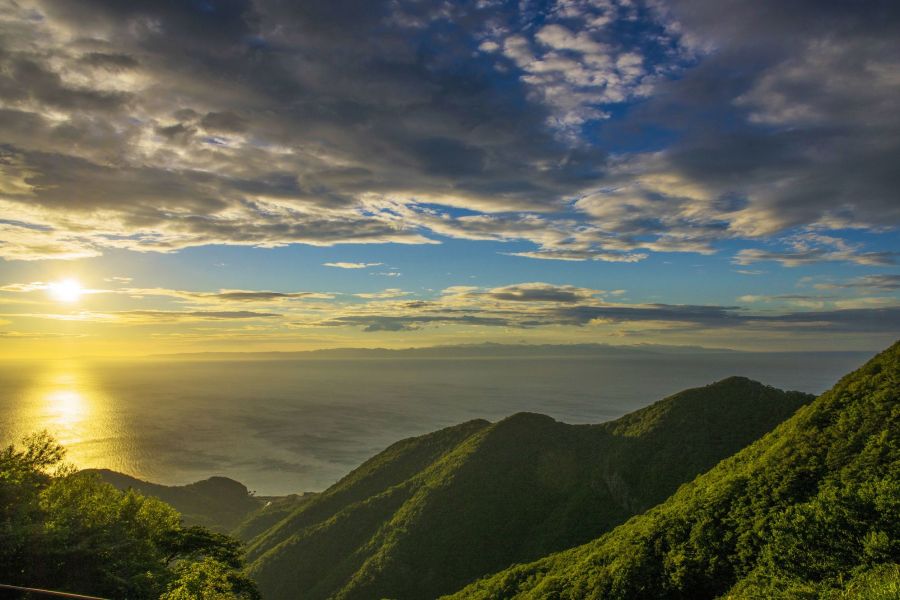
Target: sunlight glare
(67, 290)
(69, 407)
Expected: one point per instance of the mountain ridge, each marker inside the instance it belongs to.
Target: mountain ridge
(451, 521)
(810, 510)
(220, 503)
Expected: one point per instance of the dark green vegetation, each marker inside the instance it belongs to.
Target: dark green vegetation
(811, 510)
(432, 513)
(273, 512)
(218, 503)
(70, 531)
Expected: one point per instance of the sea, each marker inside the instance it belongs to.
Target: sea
(288, 425)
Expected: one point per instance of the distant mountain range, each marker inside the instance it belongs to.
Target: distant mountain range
(484, 350)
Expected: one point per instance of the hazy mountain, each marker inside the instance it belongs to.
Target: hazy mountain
(811, 510)
(484, 350)
(431, 513)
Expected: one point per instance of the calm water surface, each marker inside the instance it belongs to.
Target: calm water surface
(282, 426)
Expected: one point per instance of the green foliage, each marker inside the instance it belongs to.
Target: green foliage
(811, 510)
(879, 583)
(323, 542)
(72, 532)
(208, 579)
(218, 503)
(269, 515)
(432, 513)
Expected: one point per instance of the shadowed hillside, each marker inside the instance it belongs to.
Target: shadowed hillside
(811, 510)
(219, 503)
(432, 513)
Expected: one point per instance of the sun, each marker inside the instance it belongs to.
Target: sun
(66, 290)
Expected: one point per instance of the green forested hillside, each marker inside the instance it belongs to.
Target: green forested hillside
(71, 532)
(275, 509)
(811, 510)
(219, 503)
(433, 513)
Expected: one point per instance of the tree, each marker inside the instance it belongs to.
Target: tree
(69, 531)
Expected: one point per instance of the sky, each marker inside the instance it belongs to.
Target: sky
(258, 175)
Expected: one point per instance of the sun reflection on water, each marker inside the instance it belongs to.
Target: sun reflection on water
(67, 401)
(69, 407)
(63, 400)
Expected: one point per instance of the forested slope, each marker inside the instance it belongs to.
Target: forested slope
(433, 513)
(811, 510)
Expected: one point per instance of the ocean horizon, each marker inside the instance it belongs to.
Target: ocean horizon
(294, 425)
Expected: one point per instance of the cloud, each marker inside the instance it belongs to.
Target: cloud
(384, 294)
(261, 296)
(811, 108)
(589, 131)
(887, 282)
(256, 296)
(541, 292)
(884, 317)
(18, 288)
(223, 296)
(576, 67)
(536, 305)
(39, 335)
(798, 300)
(155, 316)
(813, 248)
(540, 307)
(372, 323)
(351, 265)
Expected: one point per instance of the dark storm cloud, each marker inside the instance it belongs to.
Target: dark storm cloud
(205, 26)
(112, 62)
(228, 122)
(157, 125)
(22, 79)
(795, 112)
